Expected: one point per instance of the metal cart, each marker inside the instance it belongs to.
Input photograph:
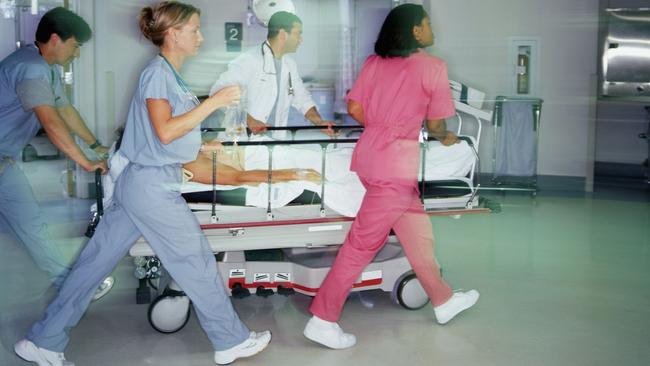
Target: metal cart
(516, 123)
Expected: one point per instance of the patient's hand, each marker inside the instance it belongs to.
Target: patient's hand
(309, 175)
(211, 146)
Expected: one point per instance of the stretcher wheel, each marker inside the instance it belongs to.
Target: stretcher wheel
(169, 312)
(409, 293)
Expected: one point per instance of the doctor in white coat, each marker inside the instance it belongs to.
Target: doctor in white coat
(271, 80)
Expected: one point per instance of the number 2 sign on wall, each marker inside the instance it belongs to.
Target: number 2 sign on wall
(234, 36)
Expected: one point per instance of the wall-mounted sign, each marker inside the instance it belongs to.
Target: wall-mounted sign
(234, 36)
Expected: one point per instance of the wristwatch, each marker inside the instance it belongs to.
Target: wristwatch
(95, 145)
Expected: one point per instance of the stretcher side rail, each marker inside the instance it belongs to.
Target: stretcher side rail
(324, 144)
(472, 180)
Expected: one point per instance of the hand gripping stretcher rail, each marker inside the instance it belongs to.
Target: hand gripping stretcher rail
(306, 234)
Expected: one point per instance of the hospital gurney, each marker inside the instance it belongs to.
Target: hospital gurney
(307, 232)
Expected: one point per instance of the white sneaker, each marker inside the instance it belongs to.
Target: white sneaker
(458, 302)
(255, 344)
(328, 334)
(104, 288)
(28, 351)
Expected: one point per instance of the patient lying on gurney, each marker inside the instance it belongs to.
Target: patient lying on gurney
(296, 168)
(231, 170)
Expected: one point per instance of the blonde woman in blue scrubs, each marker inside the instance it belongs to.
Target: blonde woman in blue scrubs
(161, 133)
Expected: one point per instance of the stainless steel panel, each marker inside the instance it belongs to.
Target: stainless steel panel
(626, 53)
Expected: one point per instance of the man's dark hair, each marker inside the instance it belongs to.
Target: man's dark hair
(395, 38)
(282, 20)
(65, 24)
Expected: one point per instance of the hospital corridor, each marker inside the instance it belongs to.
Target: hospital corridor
(324, 182)
(565, 280)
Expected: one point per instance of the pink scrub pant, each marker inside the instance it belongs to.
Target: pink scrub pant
(385, 206)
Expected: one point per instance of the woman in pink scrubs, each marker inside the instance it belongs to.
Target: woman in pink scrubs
(397, 88)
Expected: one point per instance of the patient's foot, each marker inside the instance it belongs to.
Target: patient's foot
(328, 334)
(458, 302)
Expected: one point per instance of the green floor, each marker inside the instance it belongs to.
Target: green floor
(564, 280)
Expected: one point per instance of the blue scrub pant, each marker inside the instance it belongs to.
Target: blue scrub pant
(146, 203)
(23, 217)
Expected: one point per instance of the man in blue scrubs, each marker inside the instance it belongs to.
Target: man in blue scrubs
(33, 98)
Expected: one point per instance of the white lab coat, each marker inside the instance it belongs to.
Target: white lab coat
(255, 71)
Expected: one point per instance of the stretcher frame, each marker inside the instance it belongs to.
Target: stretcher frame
(309, 236)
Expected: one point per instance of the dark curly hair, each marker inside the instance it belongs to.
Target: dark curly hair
(395, 38)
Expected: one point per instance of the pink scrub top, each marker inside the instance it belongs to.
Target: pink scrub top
(397, 94)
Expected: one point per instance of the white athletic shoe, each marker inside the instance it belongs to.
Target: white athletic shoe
(28, 351)
(104, 288)
(458, 302)
(328, 334)
(255, 344)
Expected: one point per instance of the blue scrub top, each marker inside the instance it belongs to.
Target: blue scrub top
(140, 144)
(26, 81)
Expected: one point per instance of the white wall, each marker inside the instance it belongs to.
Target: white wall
(8, 38)
(318, 55)
(472, 36)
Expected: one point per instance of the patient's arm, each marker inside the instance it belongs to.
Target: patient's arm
(201, 168)
(438, 129)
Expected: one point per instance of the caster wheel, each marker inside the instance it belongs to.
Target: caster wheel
(264, 292)
(285, 291)
(409, 293)
(169, 312)
(239, 292)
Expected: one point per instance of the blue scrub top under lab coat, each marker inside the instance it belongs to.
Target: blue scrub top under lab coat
(26, 81)
(140, 143)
